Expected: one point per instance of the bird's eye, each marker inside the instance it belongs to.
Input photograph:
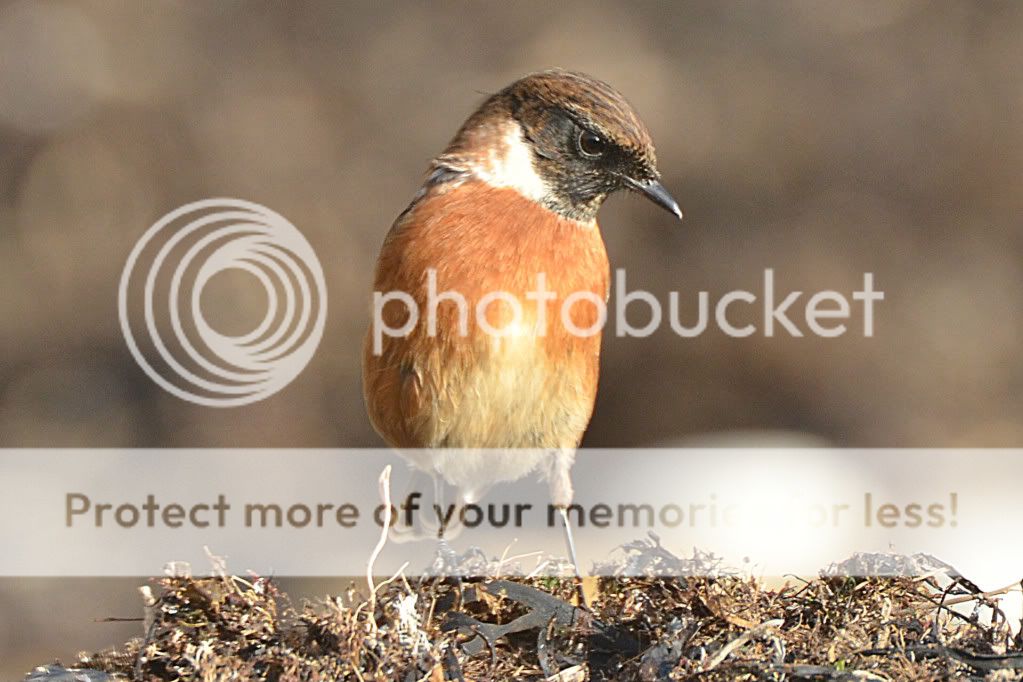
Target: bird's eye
(591, 144)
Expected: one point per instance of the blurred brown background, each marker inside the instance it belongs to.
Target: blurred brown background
(821, 139)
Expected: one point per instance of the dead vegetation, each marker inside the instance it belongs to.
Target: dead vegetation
(715, 628)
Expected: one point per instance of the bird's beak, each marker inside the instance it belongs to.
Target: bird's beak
(655, 192)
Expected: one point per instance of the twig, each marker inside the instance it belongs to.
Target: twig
(727, 649)
(385, 495)
(964, 598)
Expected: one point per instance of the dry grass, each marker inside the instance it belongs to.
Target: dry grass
(661, 628)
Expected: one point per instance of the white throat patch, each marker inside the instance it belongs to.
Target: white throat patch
(509, 163)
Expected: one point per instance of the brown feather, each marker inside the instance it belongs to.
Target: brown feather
(478, 391)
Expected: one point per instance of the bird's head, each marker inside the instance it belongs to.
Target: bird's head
(563, 139)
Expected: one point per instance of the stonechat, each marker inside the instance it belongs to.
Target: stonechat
(510, 203)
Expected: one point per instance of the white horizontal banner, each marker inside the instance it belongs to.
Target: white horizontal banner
(320, 512)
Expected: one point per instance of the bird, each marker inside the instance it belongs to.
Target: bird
(485, 398)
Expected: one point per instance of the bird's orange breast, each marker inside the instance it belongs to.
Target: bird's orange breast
(533, 384)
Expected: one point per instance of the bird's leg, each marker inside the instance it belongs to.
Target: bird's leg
(570, 542)
(560, 478)
(420, 528)
(438, 499)
(560, 481)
